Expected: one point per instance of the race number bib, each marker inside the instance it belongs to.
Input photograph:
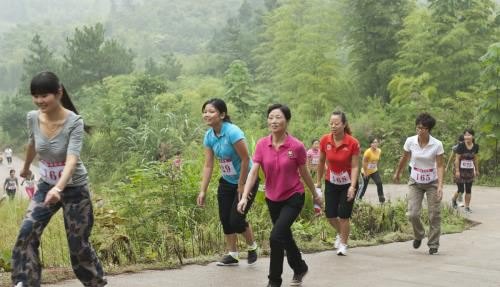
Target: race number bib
(467, 164)
(11, 185)
(51, 172)
(340, 178)
(315, 160)
(227, 167)
(423, 175)
(372, 165)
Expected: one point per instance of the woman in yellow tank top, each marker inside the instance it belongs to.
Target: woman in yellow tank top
(371, 157)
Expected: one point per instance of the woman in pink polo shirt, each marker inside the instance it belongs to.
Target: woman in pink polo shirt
(283, 160)
(341, 153)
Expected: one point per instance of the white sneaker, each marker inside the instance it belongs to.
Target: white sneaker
(337, 242)
(342, 250)
(19, 284)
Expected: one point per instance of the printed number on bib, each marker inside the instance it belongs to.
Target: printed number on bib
(315, 160)
(51, 172)
(227, 167)
(340, 178)
(467, 164)
(423, 175)
(372, 165)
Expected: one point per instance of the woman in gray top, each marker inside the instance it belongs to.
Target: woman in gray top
(55, 135)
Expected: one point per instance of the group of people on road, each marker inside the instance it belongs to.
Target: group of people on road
(333, 160)
(56, 133)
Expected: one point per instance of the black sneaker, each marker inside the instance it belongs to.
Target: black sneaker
(252, 257)
(297, 278)
(433, 250)
(416, 243)
(454, 203)
(273, 284)
(228, 260)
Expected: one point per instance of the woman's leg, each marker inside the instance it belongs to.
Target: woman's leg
(380, 187)
(468, 193)
(283, 215)
(26, 266)
(78, 220)
(226, 195)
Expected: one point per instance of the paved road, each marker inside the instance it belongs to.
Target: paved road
(471, 258)
(17, 164)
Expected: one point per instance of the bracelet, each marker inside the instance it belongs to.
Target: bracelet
(57, 189)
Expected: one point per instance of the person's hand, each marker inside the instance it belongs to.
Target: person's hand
(201, 199)
(53, 196)
(242, 205)
(318, 200)
(25, 173)
(440, 194)
(477, 173)
(350, 193)
(457, 174)
(395, 178)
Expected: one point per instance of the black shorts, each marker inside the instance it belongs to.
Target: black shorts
(336, 204)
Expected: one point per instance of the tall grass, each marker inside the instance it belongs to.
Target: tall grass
(151, 216)
(53, 248)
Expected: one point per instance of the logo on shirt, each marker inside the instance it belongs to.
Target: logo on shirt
(291, 154)
(328, 147)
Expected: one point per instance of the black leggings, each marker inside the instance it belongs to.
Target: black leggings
(227, 195)
(283, 214)
(378, 182)
(464, 185)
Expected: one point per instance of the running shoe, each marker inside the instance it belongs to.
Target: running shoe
(252, 257)
(454, 203)
(416, 243)
(342, 251)
(467, 209)
(433, 250)
(337, 242)
(297, 278)
(228, 260)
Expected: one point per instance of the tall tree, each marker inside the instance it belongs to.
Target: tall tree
(39, 59)
(238, 82)
(90, 57)
(372, 26)
(490, 108)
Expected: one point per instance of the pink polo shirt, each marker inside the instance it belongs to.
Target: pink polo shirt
(281, 167)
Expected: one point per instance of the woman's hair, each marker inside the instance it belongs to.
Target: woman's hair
(470, 131)
(460, 138)
(220, 106)
(343, 118)
(371, 139)
(283, 108)
(314, 140)
(48, 83)
(426, 120)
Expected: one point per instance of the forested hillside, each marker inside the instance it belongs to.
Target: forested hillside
(139, 72)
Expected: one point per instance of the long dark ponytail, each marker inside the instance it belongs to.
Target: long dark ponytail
(48, 83)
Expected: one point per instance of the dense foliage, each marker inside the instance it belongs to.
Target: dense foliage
(139, 72)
